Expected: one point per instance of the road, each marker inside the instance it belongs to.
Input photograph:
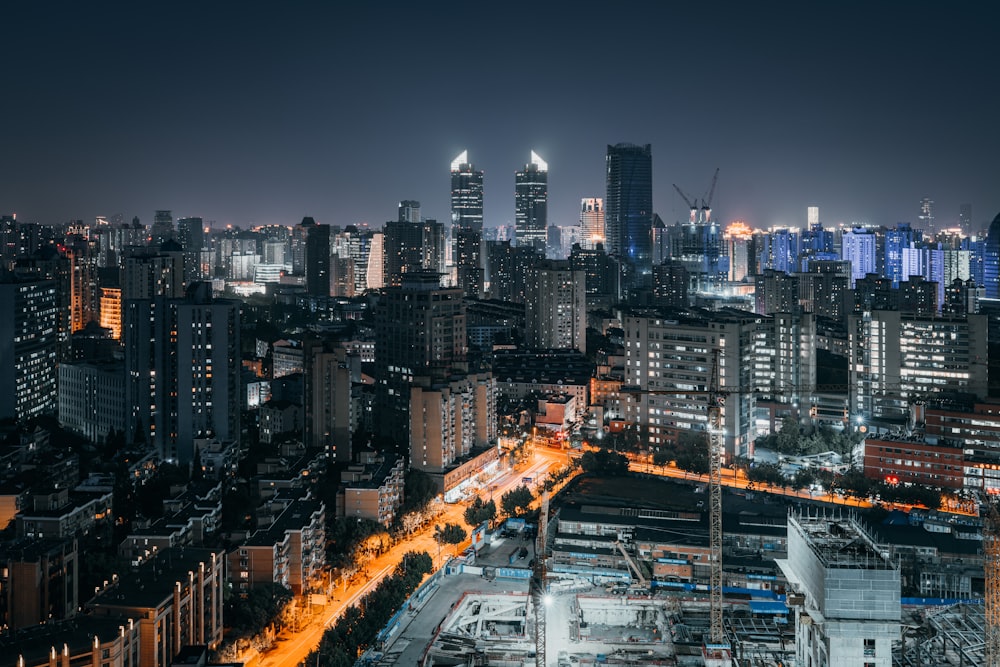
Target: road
(293, 647)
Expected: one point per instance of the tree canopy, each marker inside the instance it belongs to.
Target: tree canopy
(516, 501)
(480, 511)
(604, 463)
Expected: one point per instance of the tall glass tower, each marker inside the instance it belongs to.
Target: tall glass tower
(991, 260)
(531, 202)
(628, 209)
(467, 224)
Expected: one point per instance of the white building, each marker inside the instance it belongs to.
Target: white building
(846, 593)
(556, 308)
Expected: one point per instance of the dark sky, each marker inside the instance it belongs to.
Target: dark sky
(261, 113)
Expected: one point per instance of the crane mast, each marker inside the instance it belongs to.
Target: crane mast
(991, 548)
(538, 581)
(716, 449)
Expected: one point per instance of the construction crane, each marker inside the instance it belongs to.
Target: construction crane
(991, 548)
(716, 450)
(632, 564)
(706, 202)
(692, 204)
(539, 594)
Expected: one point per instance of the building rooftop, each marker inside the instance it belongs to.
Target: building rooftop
(840, 541)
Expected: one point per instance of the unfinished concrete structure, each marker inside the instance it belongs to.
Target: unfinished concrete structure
(847, 595)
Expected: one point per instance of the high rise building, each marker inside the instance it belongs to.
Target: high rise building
(676, 351)
(28, 338)
(419, 331)
(965, 219)
(926, 216)
(858, 246)
(191, 236)
(163, 227)
(331, 373)
(896, 358)
(182, 362)
(317, 257)
(846, 592)
(509, 268)
(591, 222)
(737, 237)
(449, 419)
(412, 244)
(991, 260)
(148, 273)
(531, 201)
(556, 307)
(628, 209)
(467, 224)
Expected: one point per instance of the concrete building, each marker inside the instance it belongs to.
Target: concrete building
(673, 352)
(28, 335)
(332, 402)
(846, 593)
(372, 489)
(175, 599)
(92, 398)
(38, 581)
(556, 308)
(182, 360)
(896, 358)
(591, 222)
(448, 420)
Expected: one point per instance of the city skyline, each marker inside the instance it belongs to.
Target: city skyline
(255, 117)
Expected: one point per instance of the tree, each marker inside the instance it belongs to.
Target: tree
(691, 452)
(516, 501)
(449, 533)
(263, 605)
(604, 463)
(480, 511)
(418, 490)
(662, 458)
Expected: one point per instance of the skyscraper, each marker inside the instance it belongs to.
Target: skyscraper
(858, 246)
(965, 218)
(628, 210)
(163, 227)
(991, 260)
(182, 361)
(317, 257)
(412, 244)
(531, 201)
(926, 216)
(591, 222)
(467, 224)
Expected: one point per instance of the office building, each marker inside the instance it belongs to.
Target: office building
(182, 359)
(467, 225)
(591, 222)
(676, 351)
(737, 238)
(926, 215)
(556, 307)
(628, 209)
(531, 202)
(846, 599)
(29, 318)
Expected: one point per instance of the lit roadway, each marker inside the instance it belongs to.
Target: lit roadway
(293, 647)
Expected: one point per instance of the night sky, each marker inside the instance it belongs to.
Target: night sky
(263, 113)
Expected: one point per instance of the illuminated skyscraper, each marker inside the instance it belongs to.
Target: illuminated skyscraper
(531, 202)
(858, 247)
(591, 222)
(29, 313)
(467, 224)
(629, 209)
(965, 218)
(738, 236)
(991, 260)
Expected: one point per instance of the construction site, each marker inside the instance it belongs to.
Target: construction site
(624, 584)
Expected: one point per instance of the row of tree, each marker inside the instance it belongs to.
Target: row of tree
(357, 628)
